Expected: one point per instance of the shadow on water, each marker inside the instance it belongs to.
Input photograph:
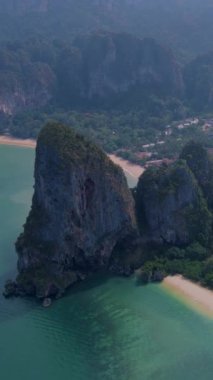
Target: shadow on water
(93, 281)
(79, 318)
(16, 307)
(84, 316)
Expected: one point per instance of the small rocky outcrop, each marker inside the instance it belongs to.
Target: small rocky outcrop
(170, 206)
(81, 209)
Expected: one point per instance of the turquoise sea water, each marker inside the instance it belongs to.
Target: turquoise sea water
(104, 329)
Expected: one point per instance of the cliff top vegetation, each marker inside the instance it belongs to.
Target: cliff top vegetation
(73, 147)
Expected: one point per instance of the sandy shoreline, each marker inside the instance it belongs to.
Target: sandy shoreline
(132, 169)
(7, 140)
(198, 297)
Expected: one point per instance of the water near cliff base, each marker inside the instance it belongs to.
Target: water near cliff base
(105, 329)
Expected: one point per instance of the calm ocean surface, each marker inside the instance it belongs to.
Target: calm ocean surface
(105, 329)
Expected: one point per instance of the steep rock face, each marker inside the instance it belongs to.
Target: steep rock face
(170, 206)
(119, 63)
(198, 79)
(201, 165)
(23, 84)
(97, 70)
(81, 209)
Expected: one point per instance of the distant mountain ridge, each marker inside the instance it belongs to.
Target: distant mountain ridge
(184, 25)
(104, 56)
(99, 72)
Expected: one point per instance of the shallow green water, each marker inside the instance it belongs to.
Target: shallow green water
(105, 329)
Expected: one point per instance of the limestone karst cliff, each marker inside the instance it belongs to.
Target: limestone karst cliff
(96, 70)
(170, 206)
(84, 217)
(201, 164)
(81, 209)
(23, 84)
(174, 213)
(116, 63)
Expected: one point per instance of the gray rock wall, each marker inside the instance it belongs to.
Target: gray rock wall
(81, 208)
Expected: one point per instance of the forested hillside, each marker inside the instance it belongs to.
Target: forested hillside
(119, 71)
(198, 77)
(117, 89)
(102, 70)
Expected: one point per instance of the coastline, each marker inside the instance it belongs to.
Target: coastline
(193, 294)
(132, 169)
(8, 140)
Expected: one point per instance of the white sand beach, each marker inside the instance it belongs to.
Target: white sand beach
(132, 169)
(8, 140)
(199, 297)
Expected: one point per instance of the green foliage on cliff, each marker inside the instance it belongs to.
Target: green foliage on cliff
(192, 259)
(157, 269)
(70, 145)
(73, 148)
(196, 270)
(165, 179)
(198, 78)
(199, 232)
(197, 159)
(165, 191)
(201, 165)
